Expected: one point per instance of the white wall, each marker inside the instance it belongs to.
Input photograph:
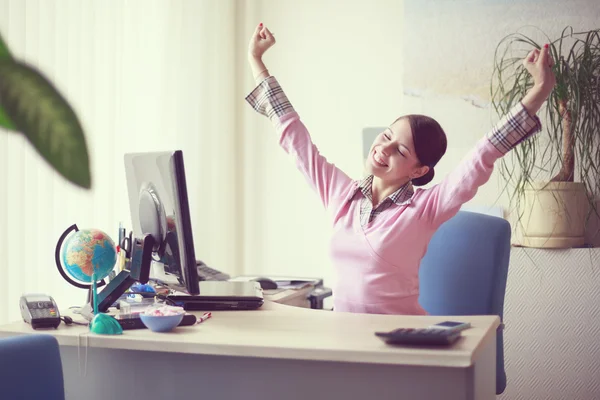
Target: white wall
(552, 322)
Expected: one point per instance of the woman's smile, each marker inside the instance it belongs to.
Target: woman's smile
(378, 161)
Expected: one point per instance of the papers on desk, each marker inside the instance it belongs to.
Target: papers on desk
(283, 282)
(292, 284)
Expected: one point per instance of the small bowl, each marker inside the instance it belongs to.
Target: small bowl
(161, 323)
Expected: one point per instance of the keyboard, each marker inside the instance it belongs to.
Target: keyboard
(206, 273)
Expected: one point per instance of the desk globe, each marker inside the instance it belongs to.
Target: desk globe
(88, 252)
(89, 255)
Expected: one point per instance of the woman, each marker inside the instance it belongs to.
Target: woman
(381, 224)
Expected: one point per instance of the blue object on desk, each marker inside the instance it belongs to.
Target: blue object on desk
(31, 368)
(143, 288)
(464, 272)
(164, 323)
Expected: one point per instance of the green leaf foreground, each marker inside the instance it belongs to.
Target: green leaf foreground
(41, 113)
(4, 52)
(5, 122)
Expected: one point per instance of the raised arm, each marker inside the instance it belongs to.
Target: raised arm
(461, 185)
(262, 40)
(268, 99)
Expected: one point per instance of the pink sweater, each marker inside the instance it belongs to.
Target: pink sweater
(378, 265)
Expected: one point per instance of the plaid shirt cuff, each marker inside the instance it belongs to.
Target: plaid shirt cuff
(269, 99)
(513, 128)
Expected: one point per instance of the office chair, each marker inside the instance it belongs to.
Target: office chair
(464, 272)
(31, 368)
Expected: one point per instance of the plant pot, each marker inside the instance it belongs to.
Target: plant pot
(554, 215)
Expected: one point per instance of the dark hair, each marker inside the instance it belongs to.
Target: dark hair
(430, 144)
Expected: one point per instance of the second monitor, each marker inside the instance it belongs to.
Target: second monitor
(158, 202)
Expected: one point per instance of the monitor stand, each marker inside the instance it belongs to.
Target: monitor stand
(139, 271)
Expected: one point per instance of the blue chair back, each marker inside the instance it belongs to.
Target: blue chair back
(31, 368)
(464, 272)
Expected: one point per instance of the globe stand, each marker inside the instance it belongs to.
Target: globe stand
(103, 324)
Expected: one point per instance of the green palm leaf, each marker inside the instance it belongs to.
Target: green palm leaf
(41, 113)
(5, 122)
(4, 52)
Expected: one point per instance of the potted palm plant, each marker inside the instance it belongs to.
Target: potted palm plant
(31, 105)
(554, 177)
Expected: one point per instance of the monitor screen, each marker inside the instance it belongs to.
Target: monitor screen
(159, 206)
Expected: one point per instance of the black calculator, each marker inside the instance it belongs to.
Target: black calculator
(420, 336)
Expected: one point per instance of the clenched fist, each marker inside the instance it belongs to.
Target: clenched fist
(262, 39)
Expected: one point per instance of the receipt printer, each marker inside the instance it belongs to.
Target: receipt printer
(39, 310)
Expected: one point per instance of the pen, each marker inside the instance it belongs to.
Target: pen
(204, 317)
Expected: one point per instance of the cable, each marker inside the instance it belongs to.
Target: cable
(86, 353)
(69, 321)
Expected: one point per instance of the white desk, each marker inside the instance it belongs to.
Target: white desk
(288, 352)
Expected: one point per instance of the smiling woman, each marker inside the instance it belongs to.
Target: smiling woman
(404, 153)
(381, 226)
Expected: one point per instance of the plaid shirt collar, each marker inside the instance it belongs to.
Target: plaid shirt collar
(400, 197)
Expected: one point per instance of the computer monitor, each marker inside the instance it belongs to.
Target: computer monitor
(158, 203)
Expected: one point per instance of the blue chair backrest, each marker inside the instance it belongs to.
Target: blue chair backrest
(464, 272)
(31, 368)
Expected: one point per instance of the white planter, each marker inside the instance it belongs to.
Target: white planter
(554, 215)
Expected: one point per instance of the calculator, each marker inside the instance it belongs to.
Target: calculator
(419, 336)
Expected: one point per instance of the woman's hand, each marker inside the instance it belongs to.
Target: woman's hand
(262, 39)
(539, 65)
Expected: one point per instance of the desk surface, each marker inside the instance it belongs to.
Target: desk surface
(284, 332)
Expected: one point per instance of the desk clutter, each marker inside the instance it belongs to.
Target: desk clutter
(154, 263)
(89, 259)
(130, 285)
(41, 312)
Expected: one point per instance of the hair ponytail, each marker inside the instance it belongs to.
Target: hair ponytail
(425, 179)
(430, 144)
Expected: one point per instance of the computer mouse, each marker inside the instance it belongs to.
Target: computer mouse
(266, 283)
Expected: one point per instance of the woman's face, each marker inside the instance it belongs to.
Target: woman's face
(392, 157)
